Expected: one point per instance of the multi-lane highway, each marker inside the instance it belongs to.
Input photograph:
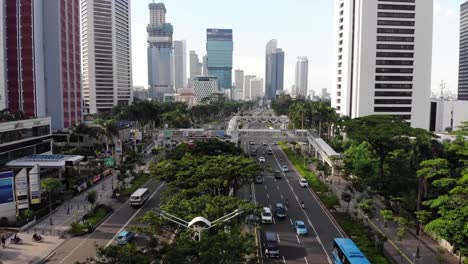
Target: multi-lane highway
(124, 216)
(316, 247)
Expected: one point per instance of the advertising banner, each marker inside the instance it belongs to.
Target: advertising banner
(138, 135)
(35, 185)
(6, 187)
(118, 147)
(21, 187)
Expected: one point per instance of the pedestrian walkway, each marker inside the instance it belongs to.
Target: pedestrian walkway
(74, 209)
(405, 250)
(28, 251)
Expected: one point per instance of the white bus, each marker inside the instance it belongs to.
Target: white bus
(139, 197)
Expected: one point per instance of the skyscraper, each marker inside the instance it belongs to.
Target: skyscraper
(3, 86)
(256, 88)
(62, 62)
(239, 80)
(274, 70)
(247, 90)
(204, 87)
(302, 75)
(106, 54)
(160, 53)
(180, 64)
(205, 65)
(463, 55)
(377, 68)
(219, 48)
(195, 65)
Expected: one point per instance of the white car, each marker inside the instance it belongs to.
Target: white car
(303, 183)
(284, 168)
(267, 217)
(262, 159)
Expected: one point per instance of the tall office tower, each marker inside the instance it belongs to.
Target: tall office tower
(219, 48)
(160, 72)
(180, 64)
(106, 54)
(239, 80)
(274, 70)
(195, 65)
(463, 53)
(302, 76)
(24, 56)
(62, 63)
(247, 89)
(3, 86)
(256, 88)
(204, 87)
(205, 66)
(378, 70)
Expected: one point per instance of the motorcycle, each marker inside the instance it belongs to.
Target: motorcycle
(16, 240)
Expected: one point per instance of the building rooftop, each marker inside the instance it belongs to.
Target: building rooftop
(44, 161)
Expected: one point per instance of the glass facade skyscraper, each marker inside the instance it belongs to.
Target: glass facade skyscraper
(463, 54)
(219, 48)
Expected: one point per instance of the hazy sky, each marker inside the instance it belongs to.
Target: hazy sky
(302, 28)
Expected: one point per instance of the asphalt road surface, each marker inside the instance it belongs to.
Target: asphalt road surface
(81, 248)
(316, 247)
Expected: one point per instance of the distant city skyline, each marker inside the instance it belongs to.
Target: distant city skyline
(303, 27)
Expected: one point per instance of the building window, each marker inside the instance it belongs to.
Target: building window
(395, 39)
(395, 54)
(393, 86)
(396, 7)
(392, 101)
(395, 62)
(394, 78)
(393, 94)
(391, 109)
(395, 23)
(395, 46)
(394, 70)
(395, 15)
(395, 31)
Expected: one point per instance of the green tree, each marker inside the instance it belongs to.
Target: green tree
(109, 129)
(383, 133)
(387, 215)
(430, 169)
(422, 217)
(403, 226)
(91, 197)
(50, 184)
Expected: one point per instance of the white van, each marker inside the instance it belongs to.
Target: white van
(139, 197)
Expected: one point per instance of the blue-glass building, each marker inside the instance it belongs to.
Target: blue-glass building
(219, 48)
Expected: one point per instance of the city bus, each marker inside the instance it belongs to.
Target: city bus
(346, 252)
(139, 197)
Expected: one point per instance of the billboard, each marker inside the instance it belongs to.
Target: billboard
(6, 187)
(21, 187)
(34, 185)
(118, 147)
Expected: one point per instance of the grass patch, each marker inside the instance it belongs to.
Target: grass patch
(92, 219)
(135, 184)
(98, 215)
(320, 188)
(362, 236)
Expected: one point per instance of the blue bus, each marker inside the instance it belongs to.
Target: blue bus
(346, 252)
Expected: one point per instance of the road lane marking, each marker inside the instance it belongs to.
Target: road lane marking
(284, 260)
(265, 187)
(133, 216)
(282, 198)
(308, 219)
(268, 196)
(291, 221)
(307, 262)
(279, 241)
(298, 241)
(84, 240)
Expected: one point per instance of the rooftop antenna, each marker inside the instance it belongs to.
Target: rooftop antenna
(442, 87)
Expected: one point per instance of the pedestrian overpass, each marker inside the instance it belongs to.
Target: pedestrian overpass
(243, 122)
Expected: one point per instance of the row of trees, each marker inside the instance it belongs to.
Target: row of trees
(200, 181)
(421, 174)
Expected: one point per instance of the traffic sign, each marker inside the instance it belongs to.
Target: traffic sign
(109, 162)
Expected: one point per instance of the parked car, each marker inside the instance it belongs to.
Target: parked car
(280, 211)
(259, 179)
(284, 168)
(300, 228)
(262, 159)
(125, 237)
(303, 182)
(266, 215)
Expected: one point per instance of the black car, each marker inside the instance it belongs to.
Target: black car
(280, 211)
(259, 179)
(277, 174)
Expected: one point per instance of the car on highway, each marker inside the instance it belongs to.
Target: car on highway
(300, 228)
(261, 159)
(270, 151)
(284, 168)
(125, 237)
(277, 174)
(252, 143)
(275, 143)
(303, 182)
(280, 211)
(270, 244)
(253, 152)
(267, 217)
(264, 143)
(259, 179)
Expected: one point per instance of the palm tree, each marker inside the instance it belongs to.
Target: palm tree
(109, 129)
(50, 184)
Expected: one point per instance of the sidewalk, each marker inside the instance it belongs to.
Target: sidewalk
(408, 245)
(62, 217)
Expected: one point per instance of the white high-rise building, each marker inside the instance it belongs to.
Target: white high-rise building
(195, 65)
(383, 59)
(106, 54)
(302, 76)
(205, 65)
(256, 88)
(180, 64)
(247, 79)
(239, 79)
(204, 87)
